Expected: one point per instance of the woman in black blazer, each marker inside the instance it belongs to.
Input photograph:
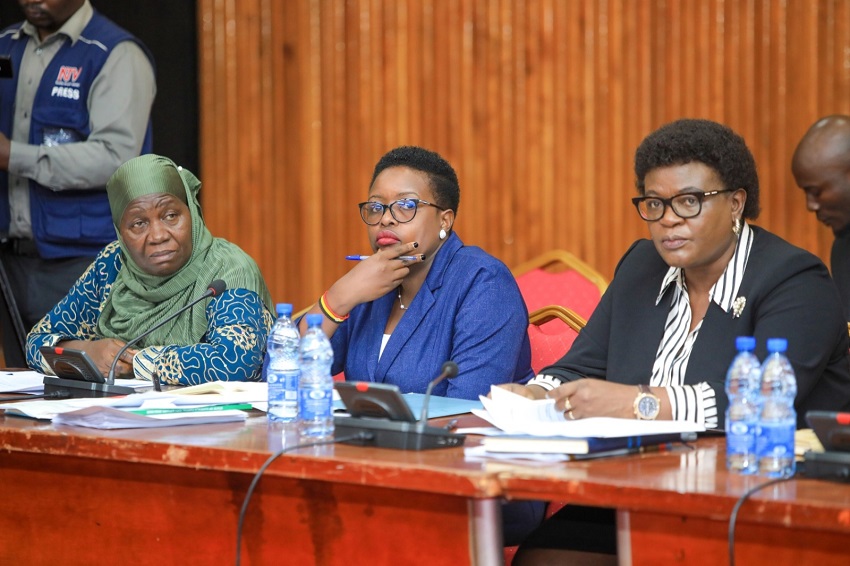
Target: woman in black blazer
(660, 341)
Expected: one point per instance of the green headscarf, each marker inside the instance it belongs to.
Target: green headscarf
(139, 300)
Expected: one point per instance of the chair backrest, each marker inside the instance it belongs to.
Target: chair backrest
(552, 331)
(558, 277)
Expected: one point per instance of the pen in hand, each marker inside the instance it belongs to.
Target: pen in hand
(362, 257)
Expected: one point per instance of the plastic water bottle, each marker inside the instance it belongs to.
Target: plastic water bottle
(778, 421)
(315, 391)
(743, 381)
(283, 371)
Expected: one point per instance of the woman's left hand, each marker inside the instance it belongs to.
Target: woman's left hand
(589, 397)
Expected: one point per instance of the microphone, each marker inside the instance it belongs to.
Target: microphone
(449, 370)
(214, 289)
(381, 417)
(108, 388)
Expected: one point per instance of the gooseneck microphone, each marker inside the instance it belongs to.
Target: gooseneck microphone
(214, 289)
(377, 418)
(449, 370)
(93, 384)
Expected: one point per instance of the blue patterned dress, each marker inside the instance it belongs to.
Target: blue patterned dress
(231, 350)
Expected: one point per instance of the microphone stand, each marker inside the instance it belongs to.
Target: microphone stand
(449, 370)
(79, 388)
(403, 435)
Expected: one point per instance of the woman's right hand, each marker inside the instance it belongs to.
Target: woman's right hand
(372, 278)
(102, 352)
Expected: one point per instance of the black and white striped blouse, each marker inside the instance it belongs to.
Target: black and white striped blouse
(694, 403)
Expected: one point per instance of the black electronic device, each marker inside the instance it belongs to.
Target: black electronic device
(400, 435)
(374, 400)
(214, 289)
(827, 465)
(833, 432)
(831, 428)
(6, 71)
(81, 378)
(380, 411)
(76, 371)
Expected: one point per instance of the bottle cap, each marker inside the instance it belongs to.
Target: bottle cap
(777, 345)
(315, 320)
(283, 309)
(745, 343)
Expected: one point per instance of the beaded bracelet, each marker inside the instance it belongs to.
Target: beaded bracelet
(328, 312)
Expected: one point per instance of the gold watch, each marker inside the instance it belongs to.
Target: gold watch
(647, 406)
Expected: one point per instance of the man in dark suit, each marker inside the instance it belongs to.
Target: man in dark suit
(821, 167)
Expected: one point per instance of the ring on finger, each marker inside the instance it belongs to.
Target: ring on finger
(571, 415)
(567, 405)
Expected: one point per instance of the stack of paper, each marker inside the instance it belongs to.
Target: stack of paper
(21, 382)
(167, 408)
(111, 418)
(535, 426)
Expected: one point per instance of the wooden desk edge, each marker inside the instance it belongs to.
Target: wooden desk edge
(61, 441)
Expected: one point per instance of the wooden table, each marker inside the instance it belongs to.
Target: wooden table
(674, 508)
(173, 495)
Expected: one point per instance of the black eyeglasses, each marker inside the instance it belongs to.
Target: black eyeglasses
(403, 210)
(686, 205)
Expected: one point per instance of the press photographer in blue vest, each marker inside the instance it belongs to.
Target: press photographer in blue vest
(77, 106)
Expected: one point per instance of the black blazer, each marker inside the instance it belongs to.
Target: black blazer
(789, 295)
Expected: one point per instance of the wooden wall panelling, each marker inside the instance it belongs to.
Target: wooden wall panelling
(539, 105)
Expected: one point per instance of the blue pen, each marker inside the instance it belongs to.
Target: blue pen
(362, 257)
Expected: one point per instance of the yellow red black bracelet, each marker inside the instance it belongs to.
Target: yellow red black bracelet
(328, 311)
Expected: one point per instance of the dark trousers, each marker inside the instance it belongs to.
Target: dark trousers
(576, 527)
(37, 285)
(519, 518)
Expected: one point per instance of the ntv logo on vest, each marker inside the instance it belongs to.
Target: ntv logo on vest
(67, 83)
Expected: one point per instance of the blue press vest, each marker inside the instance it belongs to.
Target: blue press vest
(66, 223)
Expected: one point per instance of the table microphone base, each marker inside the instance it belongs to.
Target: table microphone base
(77, 388)
(384, 433)
(827, 465)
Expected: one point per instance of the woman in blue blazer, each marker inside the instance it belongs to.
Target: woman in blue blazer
(423, 297)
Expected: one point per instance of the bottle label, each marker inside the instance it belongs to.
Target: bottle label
(283, 394)
(283, 384)
(315, 404)
(741, 438)
(776, 440)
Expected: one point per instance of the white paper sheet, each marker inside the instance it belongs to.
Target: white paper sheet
(516, 414)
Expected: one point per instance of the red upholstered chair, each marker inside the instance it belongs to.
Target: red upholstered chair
(551, 331)
(558, 277)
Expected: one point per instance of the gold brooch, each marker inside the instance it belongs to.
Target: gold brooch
(738, 306)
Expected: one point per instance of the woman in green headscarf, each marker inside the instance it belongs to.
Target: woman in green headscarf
(164, 259)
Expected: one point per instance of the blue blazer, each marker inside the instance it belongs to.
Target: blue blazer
(469, 310)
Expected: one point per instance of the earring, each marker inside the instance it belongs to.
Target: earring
(736, 227)
(442, 234)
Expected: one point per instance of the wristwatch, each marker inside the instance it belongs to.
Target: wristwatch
(647, 406)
